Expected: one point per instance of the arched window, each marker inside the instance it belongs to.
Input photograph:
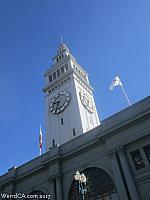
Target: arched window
(37, 194)
(99, 186)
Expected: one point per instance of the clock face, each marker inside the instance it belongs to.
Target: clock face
(59, 102)
(87, 101)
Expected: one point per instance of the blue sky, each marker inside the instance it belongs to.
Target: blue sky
(107, 38)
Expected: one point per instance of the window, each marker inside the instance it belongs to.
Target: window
(58, 73)
(57, 59)
(66, 67)
(77, 70)
(62, 70)
(50, 78)
(147, 151)
(91, 119)
(54, 75)
(81, 74)
(85, 77)
(137, 159)
(99, 186)
(53, 142)
(74, 132)
(62, 121)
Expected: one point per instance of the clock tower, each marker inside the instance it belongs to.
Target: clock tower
(70, 106)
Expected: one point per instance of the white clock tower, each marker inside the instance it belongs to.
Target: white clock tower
(70, 106)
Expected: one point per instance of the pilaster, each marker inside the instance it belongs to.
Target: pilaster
(122, 195)
(11, 186)
(52, 182)
(127, 173)
(59, 188)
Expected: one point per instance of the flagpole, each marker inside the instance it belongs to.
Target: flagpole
(125, 94)
(40, 141)
(40, 151)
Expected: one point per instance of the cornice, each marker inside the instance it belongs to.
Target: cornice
(125, 118)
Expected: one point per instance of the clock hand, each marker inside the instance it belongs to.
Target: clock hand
(55, 104)
(58, 102)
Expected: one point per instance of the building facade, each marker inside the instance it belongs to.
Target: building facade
(114, 156)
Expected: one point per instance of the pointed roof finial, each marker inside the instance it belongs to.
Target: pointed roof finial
(61, 39)
(62, 46)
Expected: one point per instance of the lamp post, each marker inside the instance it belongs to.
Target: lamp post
(81, 179)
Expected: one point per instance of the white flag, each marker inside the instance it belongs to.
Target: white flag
(115, 82)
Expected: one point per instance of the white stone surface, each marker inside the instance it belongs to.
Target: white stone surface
(76, 115)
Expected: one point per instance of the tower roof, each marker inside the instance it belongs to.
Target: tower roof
(62, 47)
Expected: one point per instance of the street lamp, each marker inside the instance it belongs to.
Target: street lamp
(81, 179)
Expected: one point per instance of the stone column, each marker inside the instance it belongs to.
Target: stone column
(118, 178)
(58, 187)
(11, 186)
(127, 173)
(114, 196)
(52, 188)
